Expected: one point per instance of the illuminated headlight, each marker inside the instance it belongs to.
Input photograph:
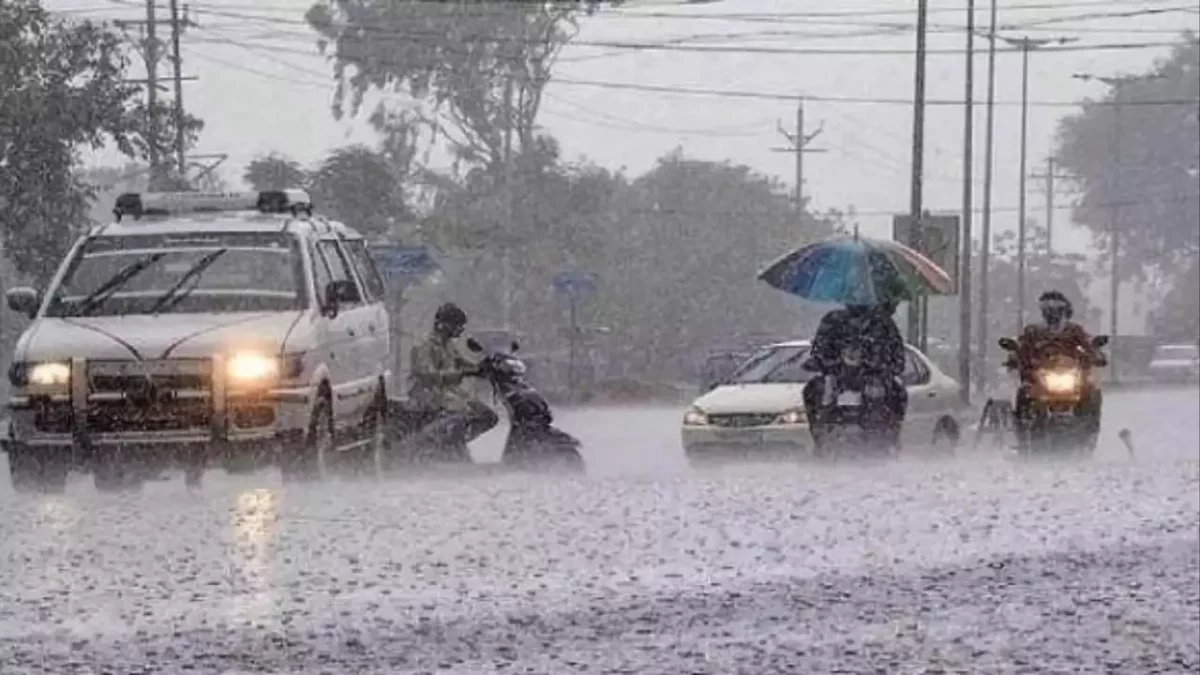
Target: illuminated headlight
(796, 416)
(253, 368)
(695, 418)
(1060, 382)
(48, 374)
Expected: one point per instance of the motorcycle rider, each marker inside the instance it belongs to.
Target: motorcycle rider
(874, 327)
(438, 371)
(1057, 334)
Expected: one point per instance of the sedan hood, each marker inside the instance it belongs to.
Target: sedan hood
(752, 398)
(155, 337)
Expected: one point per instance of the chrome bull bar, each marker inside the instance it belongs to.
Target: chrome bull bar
(81, 397)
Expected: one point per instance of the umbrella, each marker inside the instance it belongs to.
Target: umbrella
(855, 270)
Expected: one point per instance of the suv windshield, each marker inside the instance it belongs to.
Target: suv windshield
(196, 272)
(773, 365)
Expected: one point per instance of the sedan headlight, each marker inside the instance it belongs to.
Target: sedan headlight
(695, 418)
(796, 416)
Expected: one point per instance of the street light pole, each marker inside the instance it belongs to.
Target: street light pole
(964, 276)
(1026, 44)
(916, 192)
(985, 253)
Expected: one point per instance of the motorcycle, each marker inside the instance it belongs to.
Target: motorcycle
(855, 415)
(533, 440)
(1056, 390)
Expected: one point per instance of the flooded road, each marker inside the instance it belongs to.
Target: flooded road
(644, 566)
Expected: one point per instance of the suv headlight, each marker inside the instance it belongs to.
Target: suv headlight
(796, 416)
(695, 418)
(46, 374)
(250, 368)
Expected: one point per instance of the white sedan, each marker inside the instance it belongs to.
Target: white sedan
(760, 407)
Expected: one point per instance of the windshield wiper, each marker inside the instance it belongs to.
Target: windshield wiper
(105, 290)
(173, 295)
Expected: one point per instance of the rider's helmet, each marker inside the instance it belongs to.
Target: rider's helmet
(450, 320)
(1055, 308)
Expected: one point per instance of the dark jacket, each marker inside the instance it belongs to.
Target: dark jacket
(874, 330)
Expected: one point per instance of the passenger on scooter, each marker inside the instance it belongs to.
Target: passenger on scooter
(1056, 335)
(884, 352)
(438, 371)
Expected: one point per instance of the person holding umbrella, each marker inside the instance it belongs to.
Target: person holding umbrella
(870, 278)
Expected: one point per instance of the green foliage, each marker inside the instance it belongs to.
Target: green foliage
(1159, 150)
(62, 88)
(1178, 315)
(274, 171)
(463, 57)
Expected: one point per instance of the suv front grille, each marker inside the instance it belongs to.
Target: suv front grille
(164, 395)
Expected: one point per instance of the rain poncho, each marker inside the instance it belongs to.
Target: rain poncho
(438, 370)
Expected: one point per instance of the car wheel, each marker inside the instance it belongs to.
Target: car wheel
(310, 460)
(31, 472)
(946, 437)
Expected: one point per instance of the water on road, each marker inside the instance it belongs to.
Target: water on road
(644, 566)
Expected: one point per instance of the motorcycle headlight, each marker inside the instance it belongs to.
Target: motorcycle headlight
(695, 418)
(796, 416)
(1061, 381)
(48, 374)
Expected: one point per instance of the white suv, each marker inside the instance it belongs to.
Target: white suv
(236, 329)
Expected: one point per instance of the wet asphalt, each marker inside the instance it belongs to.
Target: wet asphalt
(976, 564)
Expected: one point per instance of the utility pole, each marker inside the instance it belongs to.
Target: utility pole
(964, 275)
(1026, 45)
(1049, 176)
(149, 47)
(1116, 199)
(916, 309)
(798, 144)
(510, 208)
(985, 252)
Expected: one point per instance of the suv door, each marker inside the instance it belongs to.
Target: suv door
(377, 342)
(353, 385)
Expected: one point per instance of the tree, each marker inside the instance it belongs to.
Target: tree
(1177, 317)
(63, 87)
(483, 64)
(358, 185)
(274, 171)
(1159, 145)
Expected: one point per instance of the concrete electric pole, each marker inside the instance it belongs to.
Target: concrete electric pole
(798, 145)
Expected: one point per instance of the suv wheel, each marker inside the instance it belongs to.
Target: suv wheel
(308, 461)
(42, 472)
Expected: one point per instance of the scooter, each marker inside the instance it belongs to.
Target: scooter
(533, 440)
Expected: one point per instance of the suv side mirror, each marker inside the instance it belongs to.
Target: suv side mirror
(337, 293)
(24, 300)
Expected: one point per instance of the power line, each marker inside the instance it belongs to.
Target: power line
(730, 49)
(751, 94)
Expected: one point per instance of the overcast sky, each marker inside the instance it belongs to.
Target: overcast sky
(262, 86)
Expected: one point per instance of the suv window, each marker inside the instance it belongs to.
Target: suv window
(915, 372)
(321, 274)
(365, 266)
(186, 272)
(339, 267)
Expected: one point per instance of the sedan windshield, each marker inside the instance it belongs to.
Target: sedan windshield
(773, 365)
(182, 273)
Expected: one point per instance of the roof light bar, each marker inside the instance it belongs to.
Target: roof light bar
(139, 204)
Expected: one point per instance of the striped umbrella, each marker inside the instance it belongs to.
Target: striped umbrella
(855, 270)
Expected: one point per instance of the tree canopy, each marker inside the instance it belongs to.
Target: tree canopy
(1154, 115)
(63, 87)
(481, 64)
